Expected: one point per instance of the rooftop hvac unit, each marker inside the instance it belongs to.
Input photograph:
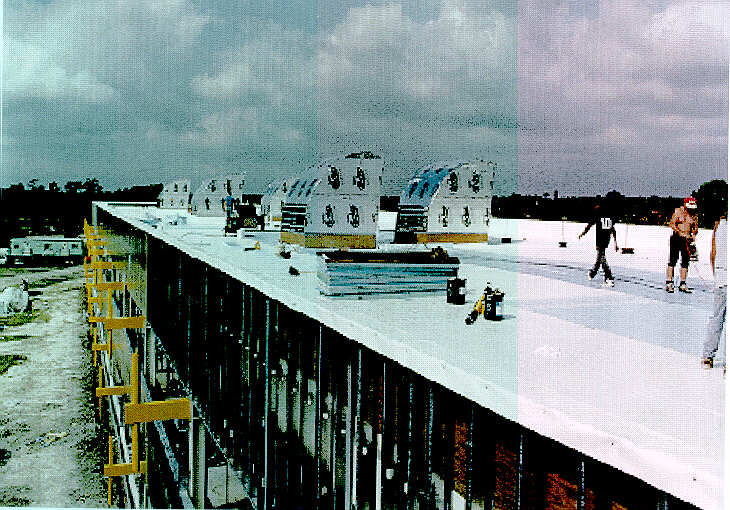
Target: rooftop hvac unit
(208, 199)
(175, 195)
(335, 204)
(447, 203)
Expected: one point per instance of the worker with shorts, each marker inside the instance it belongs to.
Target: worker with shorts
(684, 229)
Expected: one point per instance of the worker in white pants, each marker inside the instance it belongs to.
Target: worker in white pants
(718, 258)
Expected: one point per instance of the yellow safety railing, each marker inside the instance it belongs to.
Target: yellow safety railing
(135, 412)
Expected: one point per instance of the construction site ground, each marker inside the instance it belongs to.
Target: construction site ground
(51, 446)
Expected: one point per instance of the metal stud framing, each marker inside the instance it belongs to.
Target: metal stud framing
(267, 401)
(581, 484)
(187, 304)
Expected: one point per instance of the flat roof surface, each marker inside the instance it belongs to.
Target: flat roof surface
(614, 373)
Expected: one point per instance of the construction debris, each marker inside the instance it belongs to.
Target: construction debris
(15, 299)
(48, 438)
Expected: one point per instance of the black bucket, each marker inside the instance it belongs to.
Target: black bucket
(493, 306)
(456, 291)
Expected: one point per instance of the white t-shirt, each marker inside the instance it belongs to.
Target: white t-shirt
(721, 254)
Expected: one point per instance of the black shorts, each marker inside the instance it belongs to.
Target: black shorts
(677, 245)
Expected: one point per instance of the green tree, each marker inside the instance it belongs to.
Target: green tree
(92, 186)
(711, 201)
(72, 186)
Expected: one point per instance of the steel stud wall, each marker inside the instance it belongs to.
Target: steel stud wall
(295, 415)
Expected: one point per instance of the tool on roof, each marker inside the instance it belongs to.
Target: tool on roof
(626, 250)
(692, 250)
(563, 243)
(489, 305)
(284, 252)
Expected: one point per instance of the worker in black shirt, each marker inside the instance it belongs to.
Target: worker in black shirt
(604, 223)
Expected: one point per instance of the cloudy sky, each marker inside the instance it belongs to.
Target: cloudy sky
(581, 96)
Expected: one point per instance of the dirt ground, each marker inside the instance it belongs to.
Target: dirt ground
(51, 446)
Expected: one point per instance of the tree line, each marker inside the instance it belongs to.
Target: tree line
(37, 209)
(653, 210)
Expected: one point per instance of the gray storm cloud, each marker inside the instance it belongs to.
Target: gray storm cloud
(633, 97)
(577, 96)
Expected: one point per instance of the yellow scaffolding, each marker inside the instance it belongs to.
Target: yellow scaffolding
(135, 412)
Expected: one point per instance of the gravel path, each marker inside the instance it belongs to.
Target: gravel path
(51, 448)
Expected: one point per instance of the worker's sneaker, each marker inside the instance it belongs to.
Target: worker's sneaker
(707, 362)
(669, 287)
(591, 275)
(683, 288)
(608, 282)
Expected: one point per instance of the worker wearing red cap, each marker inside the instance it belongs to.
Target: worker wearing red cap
(684, 229)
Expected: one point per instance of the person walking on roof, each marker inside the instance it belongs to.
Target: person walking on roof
(684, 229)
(718, 259)
(228, 204)
(605, 228)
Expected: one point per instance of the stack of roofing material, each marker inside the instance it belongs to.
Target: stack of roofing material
(344, 272)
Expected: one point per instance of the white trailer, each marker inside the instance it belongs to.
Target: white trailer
(34, 250)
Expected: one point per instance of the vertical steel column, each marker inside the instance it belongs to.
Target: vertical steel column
(243, 366)
(267, 399)
(521, 470)
(126, 280)
(348, 437)
(450, 447)
(430, 496)
(275, 357)
(303, 395)
(146, 275)
(318, 421)
(291, 377)
(197, 462)
(409, 500)
(470, 454)
(380, 429)
(357, 427)
(333, 419)
(581, 503)
(252, 376)
(150, 355)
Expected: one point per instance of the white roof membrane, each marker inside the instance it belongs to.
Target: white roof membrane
(611, 372)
